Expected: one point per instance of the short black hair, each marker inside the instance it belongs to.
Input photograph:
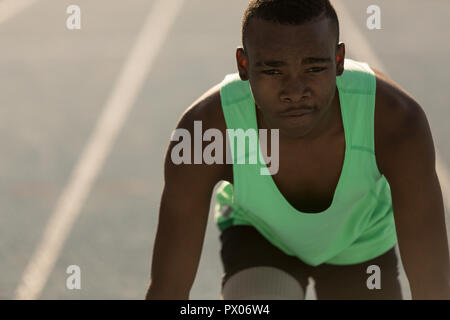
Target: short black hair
(288, 12)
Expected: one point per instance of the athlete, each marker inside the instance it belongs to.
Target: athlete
(356, 174)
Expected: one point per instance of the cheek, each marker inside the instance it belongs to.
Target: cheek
(326, 88)
(327, 95)
(262, 91)
(330, 96)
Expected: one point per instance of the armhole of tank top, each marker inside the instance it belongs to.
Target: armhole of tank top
(373, 104)
(228, 117)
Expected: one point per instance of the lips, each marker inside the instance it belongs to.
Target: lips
(296, 113)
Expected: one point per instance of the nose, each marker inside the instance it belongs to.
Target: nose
(294, 90)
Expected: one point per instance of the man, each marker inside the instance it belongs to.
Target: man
(334, 209)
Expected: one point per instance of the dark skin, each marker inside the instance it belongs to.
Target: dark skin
(405, 155)
(300, 81)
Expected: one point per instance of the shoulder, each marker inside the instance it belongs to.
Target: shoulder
(399, 121)
(207, 109)
(395, 109)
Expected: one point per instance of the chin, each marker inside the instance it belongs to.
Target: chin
(294, 131)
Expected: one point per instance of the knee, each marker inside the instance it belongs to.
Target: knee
(262, 283)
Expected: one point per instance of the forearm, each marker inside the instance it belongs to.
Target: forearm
(428, 274)
(155, 292)
(431, 294)
(428, 288)
(176, 256)
(424, 248)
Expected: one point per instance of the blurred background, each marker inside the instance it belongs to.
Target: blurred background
(86, 116)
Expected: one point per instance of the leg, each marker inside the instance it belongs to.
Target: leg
(262, 283)
(350, 282)
(256, 269)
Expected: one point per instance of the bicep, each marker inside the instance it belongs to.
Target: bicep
(409, 166)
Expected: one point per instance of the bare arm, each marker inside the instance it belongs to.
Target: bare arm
(183, 217)
(409, 166)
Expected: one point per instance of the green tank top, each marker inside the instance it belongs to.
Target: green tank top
(359, 224)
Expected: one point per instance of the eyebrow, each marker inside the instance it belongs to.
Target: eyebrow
(305, 61)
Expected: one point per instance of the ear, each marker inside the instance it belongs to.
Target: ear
(340, 58)
(242, 63)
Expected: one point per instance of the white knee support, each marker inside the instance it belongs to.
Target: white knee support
(262, 283)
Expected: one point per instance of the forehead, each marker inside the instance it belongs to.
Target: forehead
(267, 39)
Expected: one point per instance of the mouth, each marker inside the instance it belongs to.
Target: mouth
(296, 113)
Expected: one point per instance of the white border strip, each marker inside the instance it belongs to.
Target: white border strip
(115, 112)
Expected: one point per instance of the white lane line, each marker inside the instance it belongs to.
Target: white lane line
(10, 8)
(116, 109)
(362, 49)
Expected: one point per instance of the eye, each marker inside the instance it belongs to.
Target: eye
(316, 69)
(271, 72)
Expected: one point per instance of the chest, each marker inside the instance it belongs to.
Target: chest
(308, 176)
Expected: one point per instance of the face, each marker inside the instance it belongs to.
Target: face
(292, 73)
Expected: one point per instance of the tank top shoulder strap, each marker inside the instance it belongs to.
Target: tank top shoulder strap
(235, 96)
(357, 90)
